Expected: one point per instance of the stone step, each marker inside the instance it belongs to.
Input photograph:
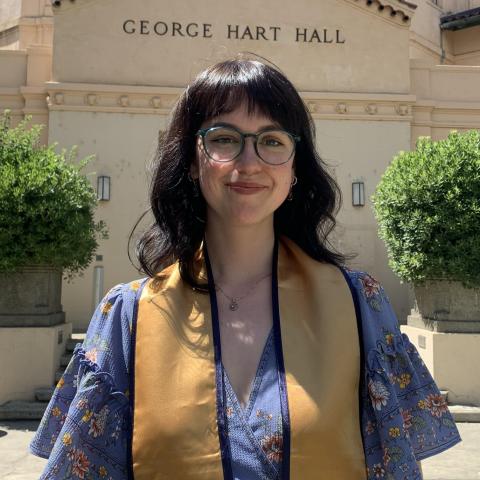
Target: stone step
(465, 413)
(79, 337)
(44, 394)
(22, 410)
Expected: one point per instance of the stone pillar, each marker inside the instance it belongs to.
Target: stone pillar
(33, 332)
(31, 297)
(445, 328)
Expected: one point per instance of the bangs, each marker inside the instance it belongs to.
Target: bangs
(259, 87)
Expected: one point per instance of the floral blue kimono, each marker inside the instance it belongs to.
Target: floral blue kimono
(87, 427)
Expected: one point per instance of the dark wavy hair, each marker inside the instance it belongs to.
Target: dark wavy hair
(179, 209)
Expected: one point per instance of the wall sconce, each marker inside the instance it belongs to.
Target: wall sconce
(358, 194)
(103, 188)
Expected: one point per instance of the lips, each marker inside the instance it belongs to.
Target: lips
(246, 187)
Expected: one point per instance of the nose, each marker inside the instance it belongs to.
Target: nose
(248, 160)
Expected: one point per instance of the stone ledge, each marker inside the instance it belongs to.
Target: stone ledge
(22, 410)
(465, 413)
(27, 321)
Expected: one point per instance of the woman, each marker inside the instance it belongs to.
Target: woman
(255, 354)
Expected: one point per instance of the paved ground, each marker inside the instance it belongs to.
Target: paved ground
(461, 462)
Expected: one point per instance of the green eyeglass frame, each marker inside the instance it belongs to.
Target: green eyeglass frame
(204, 131)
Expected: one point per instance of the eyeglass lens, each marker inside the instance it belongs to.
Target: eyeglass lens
(223, 144)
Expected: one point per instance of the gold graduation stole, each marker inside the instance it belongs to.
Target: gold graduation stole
(179, 422)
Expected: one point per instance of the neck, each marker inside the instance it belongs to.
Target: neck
(240, 255)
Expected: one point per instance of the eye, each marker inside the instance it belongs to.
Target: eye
(224, 139)
(273, 142)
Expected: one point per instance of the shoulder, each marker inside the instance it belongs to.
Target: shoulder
(123, 294)
(366, 286)
(108, 334)
(121, 298)
(374, 310)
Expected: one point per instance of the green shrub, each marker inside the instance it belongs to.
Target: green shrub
(46, 204)
(428, 209)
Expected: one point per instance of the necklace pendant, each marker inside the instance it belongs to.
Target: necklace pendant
(233, 305)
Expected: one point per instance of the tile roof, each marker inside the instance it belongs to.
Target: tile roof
(460, 15)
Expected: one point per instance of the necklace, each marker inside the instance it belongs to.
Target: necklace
(234, 300)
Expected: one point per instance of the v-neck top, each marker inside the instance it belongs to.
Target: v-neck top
(255, 432)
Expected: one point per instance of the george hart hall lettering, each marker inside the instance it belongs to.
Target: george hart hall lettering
(160, 28)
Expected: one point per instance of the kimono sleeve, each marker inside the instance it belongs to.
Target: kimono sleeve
(405, 418)
(85, 428)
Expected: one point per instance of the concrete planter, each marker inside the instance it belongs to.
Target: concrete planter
(31, 297)
(443, 306)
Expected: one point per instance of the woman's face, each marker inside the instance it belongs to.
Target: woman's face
(246, 190)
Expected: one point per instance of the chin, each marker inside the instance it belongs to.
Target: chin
(247, 217)
(250, 219)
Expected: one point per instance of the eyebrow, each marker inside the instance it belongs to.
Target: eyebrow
(271, 126)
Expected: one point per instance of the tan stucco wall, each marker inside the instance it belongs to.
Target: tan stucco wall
(35, 354)
(361, 150)
(449, 358)
(430, 44)
(465, 46)
(424, 32)
(123, 145)
(24, 23)
(447, 98)
(459, 5)
(10, 11)
(22, 84)
(14, 68)
(90, 31)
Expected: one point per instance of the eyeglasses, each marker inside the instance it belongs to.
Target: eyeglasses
(225, 143)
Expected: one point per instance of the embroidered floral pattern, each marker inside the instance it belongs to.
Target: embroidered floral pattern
(405, 402)
(436, 404)
(372, 292)
(97, 424)
(79, 463)
(379, 394)
(272, 439)
(86, 426)
(67, 439)
(106, 307)
(378, 471)
(92, 355)
(370, 427)
(403, 380)
(135, 286)
(273, 447)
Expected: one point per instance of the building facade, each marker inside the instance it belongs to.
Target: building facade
(104, 75)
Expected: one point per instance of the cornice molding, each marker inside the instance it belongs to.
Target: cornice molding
(450, 115)
(396, 11)
(159, 101)
(419, 64)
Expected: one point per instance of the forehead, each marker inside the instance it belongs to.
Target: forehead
(243, 119)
